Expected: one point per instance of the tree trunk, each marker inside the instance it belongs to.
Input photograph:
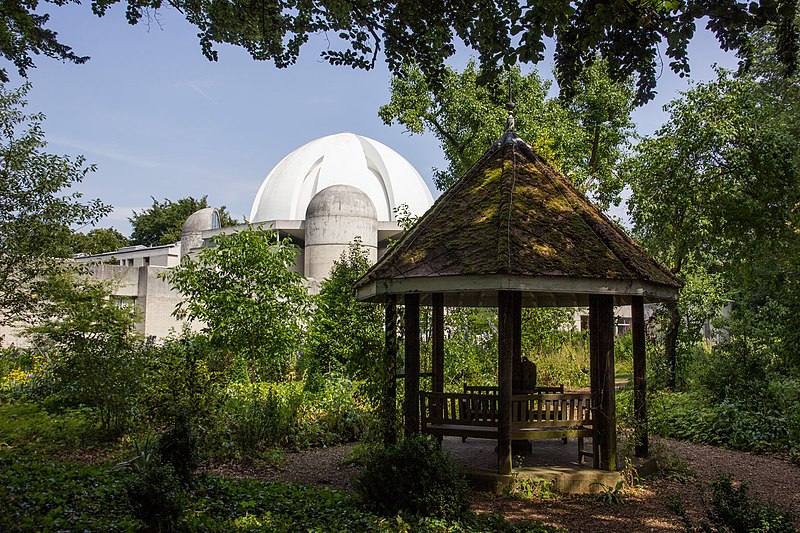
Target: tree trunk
(671, 344)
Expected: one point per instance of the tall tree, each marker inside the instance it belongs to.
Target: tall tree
(37, 206)
(629, 34)
(98, 241)
(250, 302)
(162, 222)
(346, 335)
(583, 138)
(718, 185)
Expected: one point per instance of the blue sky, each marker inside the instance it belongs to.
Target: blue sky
(160, 120)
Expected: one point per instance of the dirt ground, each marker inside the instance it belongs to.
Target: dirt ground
(772, 478)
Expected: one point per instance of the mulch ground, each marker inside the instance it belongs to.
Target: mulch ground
(772, 478)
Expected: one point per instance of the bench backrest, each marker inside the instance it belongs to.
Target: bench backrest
(527, 410)
(494, 389)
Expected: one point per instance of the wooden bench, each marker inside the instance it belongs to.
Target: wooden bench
(494, 389)
(533, 416)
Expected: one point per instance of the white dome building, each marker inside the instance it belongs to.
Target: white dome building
(341, 159)
(336, 189)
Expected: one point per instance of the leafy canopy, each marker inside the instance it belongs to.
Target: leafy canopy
(97, 241)
(37, 206)
(714, 196)
(628, 34)
(583, 138)
(162, 222)
(250, 302)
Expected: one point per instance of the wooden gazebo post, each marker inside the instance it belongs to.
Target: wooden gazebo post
(390, 371)
(437, 341)
(639, 376)
(412, 364)
(506, 310)
(601, 350)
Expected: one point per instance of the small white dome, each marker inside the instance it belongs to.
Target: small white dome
(341, 200)
(201, 220)
(342, 159)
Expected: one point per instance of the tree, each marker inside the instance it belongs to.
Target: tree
(162, 222)
(584, 138)
(98, 241)
(629, 34)
(94, 354)
(23, 31)
(346, 335)
(37, 207)
(250, 302)
(717, 187)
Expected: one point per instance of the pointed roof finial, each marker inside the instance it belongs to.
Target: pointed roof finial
(510, 106)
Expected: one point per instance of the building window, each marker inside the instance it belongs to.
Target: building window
(623, 325)
(146, 261)
(124, 302)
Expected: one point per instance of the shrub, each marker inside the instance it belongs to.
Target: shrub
(258, 421)
(288, 414)
(178, 447)
(95, 356)
(416, 477)
(739, 424)
(733, 510)
(185, 375)
(26, 427)
(156, 496)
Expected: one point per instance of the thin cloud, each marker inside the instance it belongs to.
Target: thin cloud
(196, 86)
(109, 152)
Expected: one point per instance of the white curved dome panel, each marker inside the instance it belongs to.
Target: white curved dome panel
(342, 159)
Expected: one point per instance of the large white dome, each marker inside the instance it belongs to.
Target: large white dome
(342, 159)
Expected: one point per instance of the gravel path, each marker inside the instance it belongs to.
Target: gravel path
(771, 478)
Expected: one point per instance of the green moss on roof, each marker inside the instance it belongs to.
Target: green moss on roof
(514, 214)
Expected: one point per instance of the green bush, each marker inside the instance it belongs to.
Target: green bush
(26, 427)
(185, 375)
(156, 496)
(733, 510)
(178, 447)
(259, 421)
(288, 414)
(415, 477)
(93, 351)
(697, 417)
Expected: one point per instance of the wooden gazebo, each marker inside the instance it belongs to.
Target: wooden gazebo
(513, 232)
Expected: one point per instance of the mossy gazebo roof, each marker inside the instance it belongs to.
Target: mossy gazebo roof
(515, 223)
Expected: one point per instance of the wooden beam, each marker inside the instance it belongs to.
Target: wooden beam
(594, 377)
(437, 349)
(412, 364)
(606, 411)
(505, 354)
(516, 338)
(639, 376)
(389, 406)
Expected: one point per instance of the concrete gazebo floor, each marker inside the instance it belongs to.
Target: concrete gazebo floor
(551, 460)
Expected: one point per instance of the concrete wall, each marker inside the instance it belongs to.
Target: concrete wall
(152, 295)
